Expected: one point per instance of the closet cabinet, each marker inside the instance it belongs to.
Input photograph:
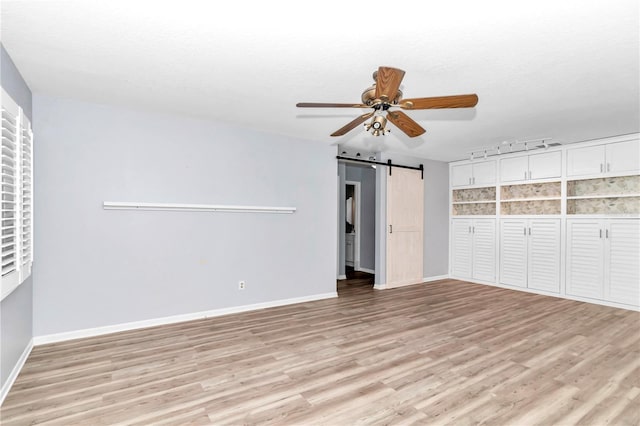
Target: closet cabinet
(562, 221)
(473, 248)
(475, 173)
(607, 159)
(603, 259)
(530, 253)
(531, 167)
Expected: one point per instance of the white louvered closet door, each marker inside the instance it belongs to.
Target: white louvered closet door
(10, 193)
(513, 252)
(585, 258)
(622, 265)
(544, 254)
(461, 248)
(484, 249)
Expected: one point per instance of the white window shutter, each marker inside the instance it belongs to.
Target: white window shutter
(16, 235)
(26, 199)
(10, 190)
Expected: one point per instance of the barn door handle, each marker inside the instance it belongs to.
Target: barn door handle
(391, 229)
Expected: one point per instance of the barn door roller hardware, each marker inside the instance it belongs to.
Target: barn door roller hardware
(388, 164)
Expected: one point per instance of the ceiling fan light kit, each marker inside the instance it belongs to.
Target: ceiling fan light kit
(385, 94)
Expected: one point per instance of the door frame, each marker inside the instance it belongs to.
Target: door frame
(356, 249)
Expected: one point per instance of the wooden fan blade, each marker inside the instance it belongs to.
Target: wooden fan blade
(388, 82)
(324, 105)
(405, 123)
(457, 101)
(352, 125)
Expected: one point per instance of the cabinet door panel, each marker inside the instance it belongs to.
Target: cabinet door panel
(484, 249)
(623, 156)
(622, 264)
(484, 173)
(512, 169)
(461, 248)
(588, 160)
(545, 165)
(513, 252)
(585, 258)
(461, 175)
(544, 255)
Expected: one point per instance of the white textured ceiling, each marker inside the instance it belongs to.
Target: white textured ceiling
(561, 69)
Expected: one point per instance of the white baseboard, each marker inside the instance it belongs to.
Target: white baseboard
(98, 331)
(342, 277)
(424, 280)
(16, 370)
(367, 270)
(435, 278)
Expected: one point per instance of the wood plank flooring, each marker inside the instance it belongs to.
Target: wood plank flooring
(447, 352)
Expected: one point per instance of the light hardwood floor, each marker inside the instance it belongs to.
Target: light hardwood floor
(447, 352)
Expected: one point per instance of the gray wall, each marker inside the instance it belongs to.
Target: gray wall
(436, 218)
(98, 268)
(366, 175)
(16, 309)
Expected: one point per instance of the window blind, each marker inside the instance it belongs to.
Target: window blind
(16, 233)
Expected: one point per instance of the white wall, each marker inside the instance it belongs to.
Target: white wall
(97, 268)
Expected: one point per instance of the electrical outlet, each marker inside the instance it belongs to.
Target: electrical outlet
(240, 285)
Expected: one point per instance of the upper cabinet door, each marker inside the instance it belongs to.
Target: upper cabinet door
(545, 165)
(461, 175)
(513, 169)
(623, 157)
(484, 173)
(588, 160)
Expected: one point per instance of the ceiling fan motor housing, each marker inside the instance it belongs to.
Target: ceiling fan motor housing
(369, 96)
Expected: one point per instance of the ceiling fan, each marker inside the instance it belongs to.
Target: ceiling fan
(385, 94)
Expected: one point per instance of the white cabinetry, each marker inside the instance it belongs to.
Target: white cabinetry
(477, 173)
(473, 253)
(603, 259)
(530, 167)
(530, 253)
(613, 158)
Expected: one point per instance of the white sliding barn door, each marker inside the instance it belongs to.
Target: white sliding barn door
(405, 219)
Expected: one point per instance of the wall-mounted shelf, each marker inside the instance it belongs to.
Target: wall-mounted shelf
(474, 201)
(116, 205)
(540, 198)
